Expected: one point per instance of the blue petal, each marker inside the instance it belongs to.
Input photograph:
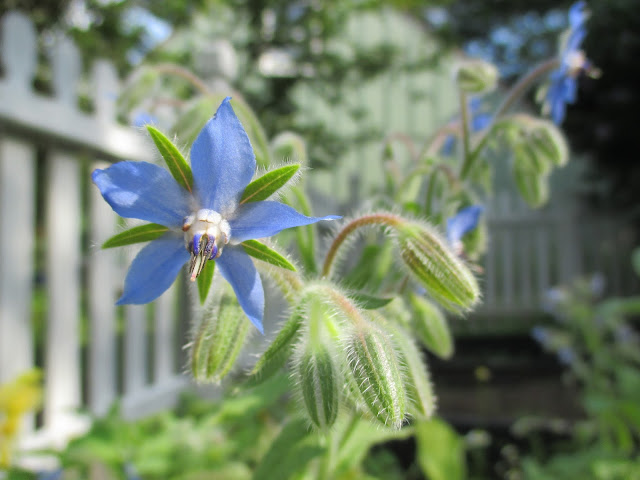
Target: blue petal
(575, 39)
(222, 161)
(263, 219)
(577, 15)
(463, 222)
(145, 191)
(558, 110)
(154, 269)
(238, 269)
(481, 121)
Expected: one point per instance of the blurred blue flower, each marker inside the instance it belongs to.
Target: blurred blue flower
(462, 223)
(540, 335)
(566, 355)
(563, 85)
(52, 475)
(553, 299)
(142, 118)
(203, 222)
(479, 121)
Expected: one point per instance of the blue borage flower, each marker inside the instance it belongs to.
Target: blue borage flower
(563, 86)
(206, 224)
(462, 223)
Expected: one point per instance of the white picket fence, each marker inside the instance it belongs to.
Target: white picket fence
(49, 212)
(53, 220)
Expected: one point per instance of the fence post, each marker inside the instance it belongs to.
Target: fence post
(17, 209)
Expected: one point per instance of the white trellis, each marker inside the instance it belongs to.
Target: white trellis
(79, 279)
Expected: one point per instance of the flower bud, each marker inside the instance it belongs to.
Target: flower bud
(289, 146)
(431, 327)
(476, 76)
(548, 142)
(446, 278)
(376, 370)
(536, 143)
(317, 376)
(138, 88)
(532, 185)
(319, 380)
(418, 381)
(218, 340)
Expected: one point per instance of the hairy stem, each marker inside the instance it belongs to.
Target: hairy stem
(382, 218)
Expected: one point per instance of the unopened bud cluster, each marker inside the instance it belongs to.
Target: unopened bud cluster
(346, 358)
(476, 76)
(538, 147)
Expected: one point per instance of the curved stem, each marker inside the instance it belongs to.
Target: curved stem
(516, 92)
(406, 140)
(437, 140)
(383, 218)
(178, 71)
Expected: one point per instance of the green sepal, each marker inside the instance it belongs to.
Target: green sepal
(369, 302)
(269, 183)
(178, 166)
(141, 233)
(278, 352)
(218, 340)
(204, 280)
(431, 327)
(260, 251)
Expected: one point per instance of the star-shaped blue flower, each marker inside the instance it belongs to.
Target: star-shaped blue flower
(563, 86)
(206, 224)
(462, 223)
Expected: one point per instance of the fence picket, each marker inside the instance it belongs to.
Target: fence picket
(17, 198)
(63, 228)
(102, 310)
(135, 345)
(164, 335)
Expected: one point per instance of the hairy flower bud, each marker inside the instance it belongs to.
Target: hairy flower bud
(532, 185)
(431, 327)
(446, 278)
(476, 76)
(218, 340)
(536, 143)
(377, 372)
(319, 380)
(418, 381)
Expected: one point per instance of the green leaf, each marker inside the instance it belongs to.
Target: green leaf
(178, 166)
(142, 233)
(299, 446)
(204, 280)
(260, 251)
(441, 454)
(263, 187)
(369, 302)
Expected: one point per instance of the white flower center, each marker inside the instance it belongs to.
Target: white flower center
(205, 234)
(576, 62)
